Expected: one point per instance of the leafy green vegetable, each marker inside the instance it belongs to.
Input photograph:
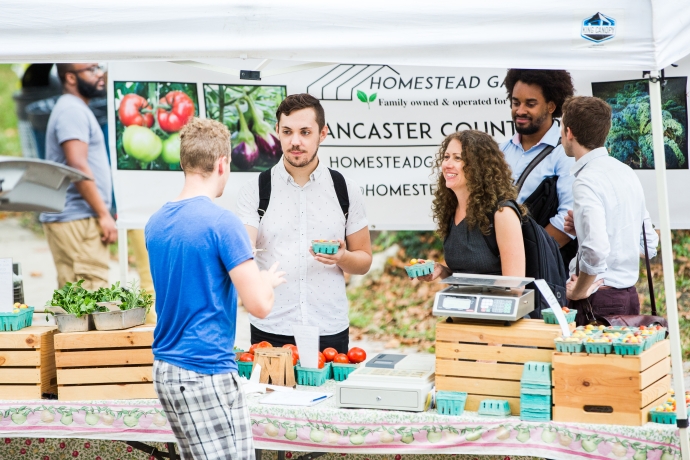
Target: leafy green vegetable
(75, 300)
(135, 297)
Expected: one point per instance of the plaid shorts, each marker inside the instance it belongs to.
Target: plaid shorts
(208, 413)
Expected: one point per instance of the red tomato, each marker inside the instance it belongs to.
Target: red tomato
(246, 357)
(321, 362)
(263, 344)
(131, 111)
(329, 354)
(174, 111)
(341, 358)
(356, 355)
(321, 356)
(295, 355)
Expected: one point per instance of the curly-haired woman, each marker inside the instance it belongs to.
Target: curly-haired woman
(475, 191)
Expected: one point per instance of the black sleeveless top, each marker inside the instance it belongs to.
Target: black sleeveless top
(466, 250)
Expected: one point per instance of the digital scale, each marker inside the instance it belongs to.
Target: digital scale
(389, 381)
(488, 297)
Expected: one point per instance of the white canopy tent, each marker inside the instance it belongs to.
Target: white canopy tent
(588, 35)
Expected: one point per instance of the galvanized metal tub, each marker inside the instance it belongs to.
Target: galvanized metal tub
(122, 319)
(70, 323)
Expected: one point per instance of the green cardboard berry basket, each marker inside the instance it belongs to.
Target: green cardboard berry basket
(569, 347)
(16, 321)
(413, 271)
(450, 402)
(245, 368)
(550, 317)
(667, 418)
(342, 370)
(312, 377)
(495, 407)
(599, 348)
(625, 349)
(325, 247)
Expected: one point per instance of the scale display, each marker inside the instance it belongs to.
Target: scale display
(485, 297)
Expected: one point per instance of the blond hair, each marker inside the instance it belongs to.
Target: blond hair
(202, 143)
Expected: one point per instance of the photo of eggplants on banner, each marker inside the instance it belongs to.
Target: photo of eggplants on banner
(249, 114)
(149, 117)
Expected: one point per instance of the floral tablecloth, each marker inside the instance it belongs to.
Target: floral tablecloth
(325, 428)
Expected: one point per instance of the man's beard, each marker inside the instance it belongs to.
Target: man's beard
(303, 163)
(88, 90)
(533, 127)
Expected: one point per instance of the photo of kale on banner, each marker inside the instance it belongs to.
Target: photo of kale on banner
(630, 139)
(149, 117)
(249, 114)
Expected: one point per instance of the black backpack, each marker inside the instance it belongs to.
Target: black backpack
(542, 261)
(339, 185)
(543, 202)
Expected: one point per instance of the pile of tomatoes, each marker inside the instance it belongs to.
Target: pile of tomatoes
(354, 355)
(136, 113)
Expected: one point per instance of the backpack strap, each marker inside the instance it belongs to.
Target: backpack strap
(650, 281)
(264, 192)
(341, 191)
(534, 163)
(338, 183)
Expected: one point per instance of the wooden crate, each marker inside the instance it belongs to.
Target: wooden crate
(105, 364)
(485, 360)
(610, 389)
(27, 363)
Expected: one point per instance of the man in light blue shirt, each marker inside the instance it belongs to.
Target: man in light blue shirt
(536, 98)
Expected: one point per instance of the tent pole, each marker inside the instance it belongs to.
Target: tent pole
(667, 259)
(122, 254)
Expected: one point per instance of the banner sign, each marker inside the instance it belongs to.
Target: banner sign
(385, 127)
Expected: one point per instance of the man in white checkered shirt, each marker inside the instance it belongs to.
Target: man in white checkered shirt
(201, 259)
(305, 205)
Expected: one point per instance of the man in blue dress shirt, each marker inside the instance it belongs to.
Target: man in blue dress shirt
(536, 98)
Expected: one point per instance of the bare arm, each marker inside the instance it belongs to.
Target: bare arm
(255, 287)
(561, 238)
(253, 232)
(353, 257)
(510, 244)
(76, 154)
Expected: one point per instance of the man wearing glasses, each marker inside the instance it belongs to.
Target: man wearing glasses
(79, 235)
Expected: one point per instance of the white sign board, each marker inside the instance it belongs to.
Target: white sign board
(385, 127)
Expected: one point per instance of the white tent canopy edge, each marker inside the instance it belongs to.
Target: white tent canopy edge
(650, 34)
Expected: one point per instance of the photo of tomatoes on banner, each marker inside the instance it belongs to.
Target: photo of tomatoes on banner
(149, 118)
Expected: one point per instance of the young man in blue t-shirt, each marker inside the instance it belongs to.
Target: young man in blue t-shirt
(201, 259)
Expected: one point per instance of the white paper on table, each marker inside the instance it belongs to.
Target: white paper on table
(307, 339)
(6, 286)
(296, 398)
(555, 306)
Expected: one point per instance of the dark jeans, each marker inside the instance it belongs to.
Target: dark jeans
(339, 341)
(605, 302)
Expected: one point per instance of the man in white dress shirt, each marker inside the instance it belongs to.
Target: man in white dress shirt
(304, 207)
(608, 216)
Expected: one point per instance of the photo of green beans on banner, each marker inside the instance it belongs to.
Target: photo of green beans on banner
(249, 114)
(149, 118)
